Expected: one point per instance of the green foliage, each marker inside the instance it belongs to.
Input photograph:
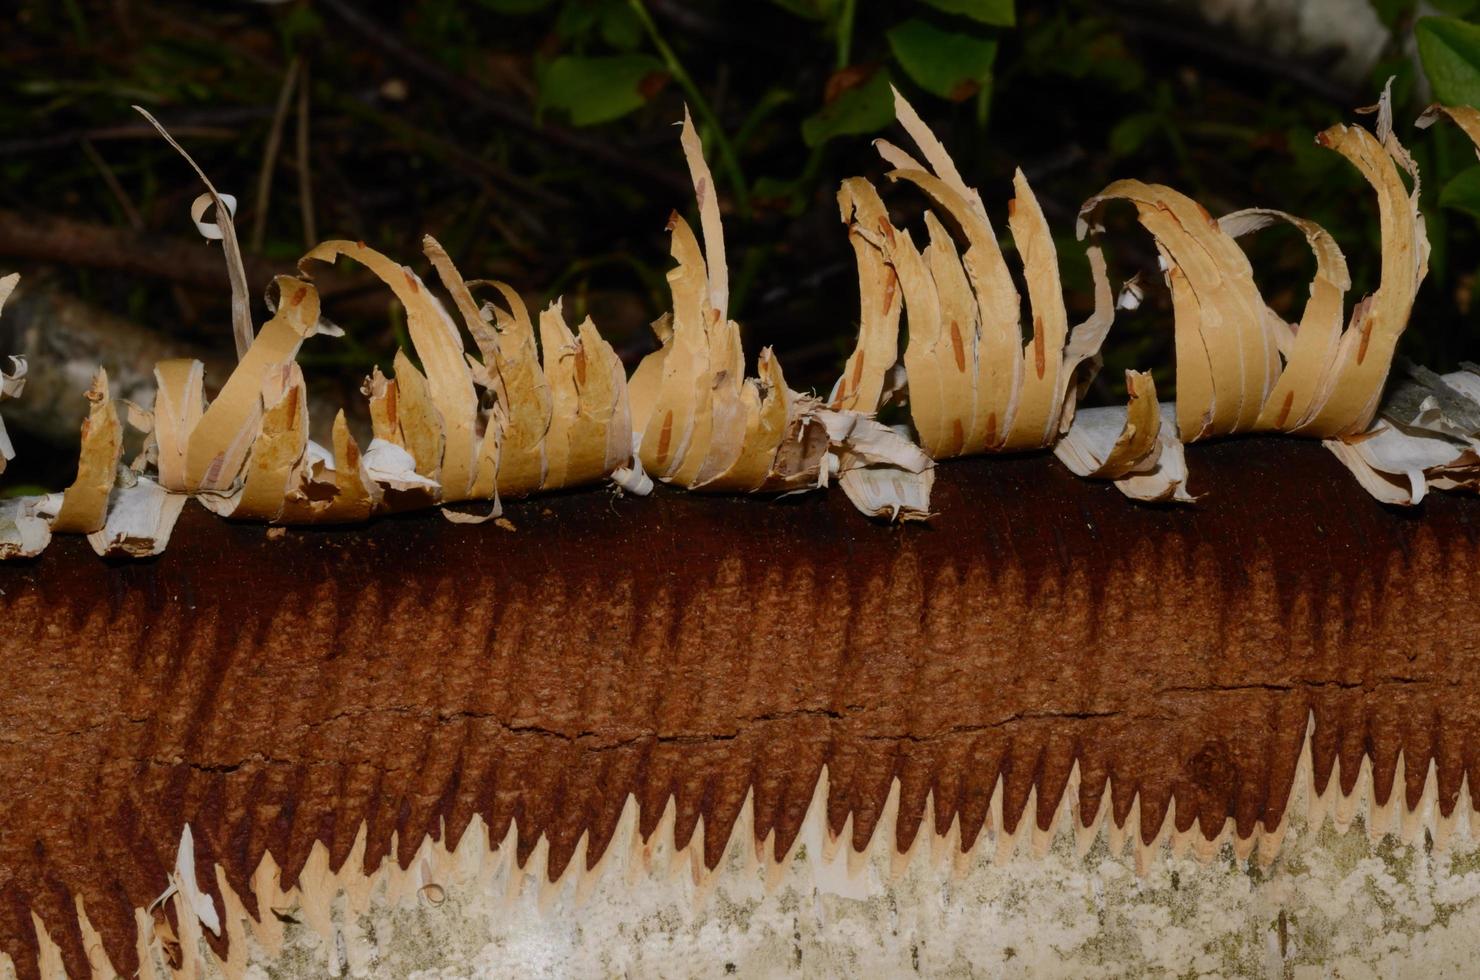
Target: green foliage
(1456, 8)
(949, 64)
(1462, 193)
(998, 13)
(599, 89)
(611, 22)
(862, 109)
(786, 95)
(1393, 12)
(515, 6)
(1132, 132)
(1450, 49)
(811, 9)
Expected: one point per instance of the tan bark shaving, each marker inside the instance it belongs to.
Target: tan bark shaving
(1350, 397)
(1108, 443)
(1037, 411)
(488, 374)
(978, 394)
(223, 229)
(357, 495)
(140, 519)
(85, 503)
(699, 423)
(1465, 117)
(271, 471)
(1223, 351)
(1310, 350)
(440, 348)
(974, 384)
(1136, 445)
(179, 404)
(218, 443)
(588, 391)
(12, 384)
(523, 404)
(418, 420)
(1082, 353)
(861, 386)
(1428, 437)
(25, 522)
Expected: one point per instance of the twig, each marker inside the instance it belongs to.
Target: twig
(269, 156)
(305, 173)
(728, 159)
(84, 244)
(1219, 46)
(110, 180)
(17, 147)
(744, 31)
(479, 101)
(135, 221)
(471, 164)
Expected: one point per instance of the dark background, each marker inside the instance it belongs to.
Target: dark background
(535, 139)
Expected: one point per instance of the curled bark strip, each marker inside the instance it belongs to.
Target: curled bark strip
(1350, 398)
(973, 384)
(1310, 349)
(552, 408)
(1224, 353)
(440, 347)
(698, 423)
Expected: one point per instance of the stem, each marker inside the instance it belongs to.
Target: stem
(269, 157)
(845, 33)
(728, 159)
(305, 172)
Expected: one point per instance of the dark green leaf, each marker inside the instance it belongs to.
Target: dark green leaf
(620, 27)
(1458, 8)
(998, 13)
(575, 21)
(810, 9)
(1463, 192)
(866, 108)
(1390, 12)
(595, 90)
(300, 22)
(1131, 133)
(1401, 69)
(1450, 49)
(949, 64)
(515, 6)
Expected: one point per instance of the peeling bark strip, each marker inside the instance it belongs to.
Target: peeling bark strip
(414, 673)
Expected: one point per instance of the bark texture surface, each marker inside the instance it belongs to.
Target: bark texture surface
(275, 691)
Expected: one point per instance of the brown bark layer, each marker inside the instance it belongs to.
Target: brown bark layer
(274, 692)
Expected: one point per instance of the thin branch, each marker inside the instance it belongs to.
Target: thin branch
(728, 158)
(19, 147)
(478, 101)
(170, 258)
(305, 172)
(270, 154)
(110, 180)
(1221, 47)
(135, 221)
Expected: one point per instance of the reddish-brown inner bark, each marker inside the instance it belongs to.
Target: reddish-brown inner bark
(276, 692)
